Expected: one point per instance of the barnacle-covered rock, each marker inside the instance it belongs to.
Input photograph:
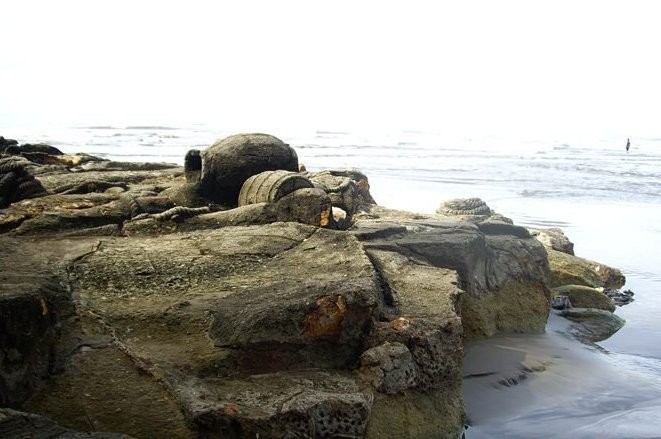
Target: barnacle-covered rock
(464, 206)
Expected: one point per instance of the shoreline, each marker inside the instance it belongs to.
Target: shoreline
(521, 385)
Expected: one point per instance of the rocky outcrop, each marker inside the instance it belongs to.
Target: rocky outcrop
(584, 291)
(502, 269)
(178, 319)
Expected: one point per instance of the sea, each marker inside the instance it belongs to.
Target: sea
(607, 201)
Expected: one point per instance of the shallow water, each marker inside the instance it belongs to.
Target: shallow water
(559, 388)
(606, 200)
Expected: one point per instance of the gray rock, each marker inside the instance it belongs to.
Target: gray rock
(228, 163)
(593, 325)
(342, 190)
(496, 227)
(554, 238)
(308, 206)
(389, 367)
(318, 312)
(619, 297)
(193, 166)
(348, 188)
(483, 262)
(284, 404)
(504, 276)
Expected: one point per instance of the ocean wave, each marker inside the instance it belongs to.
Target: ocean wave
(532, 221)
(96, 127)
(647, 275)
(150, 127)
(334, 133)
(534, 193)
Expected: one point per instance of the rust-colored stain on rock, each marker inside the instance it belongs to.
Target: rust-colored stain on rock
(400, 324)
(324, 218)
(326, 319)
(229, 409)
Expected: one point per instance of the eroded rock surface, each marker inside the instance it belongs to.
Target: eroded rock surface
(137, 301)
(571, 270)
(502, 270)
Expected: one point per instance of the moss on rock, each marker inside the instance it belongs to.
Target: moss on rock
(585, 297)
(517, 307)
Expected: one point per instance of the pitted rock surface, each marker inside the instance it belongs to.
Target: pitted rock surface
(389, 367)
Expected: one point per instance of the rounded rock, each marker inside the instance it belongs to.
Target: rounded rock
(228, 163)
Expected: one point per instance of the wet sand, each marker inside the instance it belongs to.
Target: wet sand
(553, 386)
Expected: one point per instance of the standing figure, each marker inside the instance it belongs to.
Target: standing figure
(628, 145)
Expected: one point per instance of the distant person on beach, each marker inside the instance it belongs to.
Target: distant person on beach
(628, 145)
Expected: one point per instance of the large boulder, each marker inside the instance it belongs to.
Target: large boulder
(502, 270)
(228, 163)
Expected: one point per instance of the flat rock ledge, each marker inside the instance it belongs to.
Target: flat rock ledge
(128, 305)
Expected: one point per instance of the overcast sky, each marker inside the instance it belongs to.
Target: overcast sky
(462, 66)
